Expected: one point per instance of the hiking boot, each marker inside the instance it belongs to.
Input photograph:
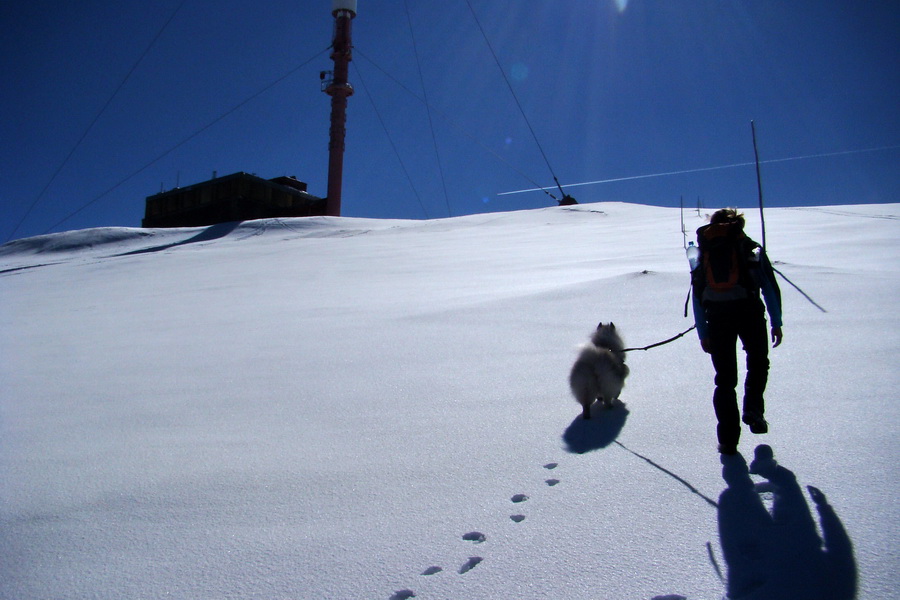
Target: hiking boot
(756, 422)
(728, 449)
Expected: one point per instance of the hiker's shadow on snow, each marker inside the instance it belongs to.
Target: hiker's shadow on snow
(598, 432)
(769, 538)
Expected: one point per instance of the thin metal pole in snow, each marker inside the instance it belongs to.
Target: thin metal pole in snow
(762, 216)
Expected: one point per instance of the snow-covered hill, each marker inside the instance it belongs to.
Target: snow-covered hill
(363, 409)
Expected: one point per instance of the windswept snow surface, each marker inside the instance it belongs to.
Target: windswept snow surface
(362, 409)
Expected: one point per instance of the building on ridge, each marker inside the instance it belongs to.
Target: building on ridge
(236, 197)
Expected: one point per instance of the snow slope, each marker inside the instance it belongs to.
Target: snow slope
(362, 409)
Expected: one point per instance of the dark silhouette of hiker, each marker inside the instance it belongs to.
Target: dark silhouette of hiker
(732, 272)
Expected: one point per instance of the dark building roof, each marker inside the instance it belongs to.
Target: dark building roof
(235, 197)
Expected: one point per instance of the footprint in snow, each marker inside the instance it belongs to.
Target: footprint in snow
(470, 564)
(474, 536)
(518, 498)
(478, 538)
(551, 466)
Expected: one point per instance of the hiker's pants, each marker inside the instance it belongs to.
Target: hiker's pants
(729, 322)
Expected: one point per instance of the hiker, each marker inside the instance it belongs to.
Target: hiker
(732, 271)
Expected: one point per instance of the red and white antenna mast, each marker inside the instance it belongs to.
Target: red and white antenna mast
(339, 89)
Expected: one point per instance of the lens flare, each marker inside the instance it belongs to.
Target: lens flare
(621, 5)
(519, 72)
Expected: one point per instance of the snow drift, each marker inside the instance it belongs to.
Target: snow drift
(350, 408)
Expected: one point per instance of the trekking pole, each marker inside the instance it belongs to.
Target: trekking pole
(762, 216)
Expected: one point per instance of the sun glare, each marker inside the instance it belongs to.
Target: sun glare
(621, 5)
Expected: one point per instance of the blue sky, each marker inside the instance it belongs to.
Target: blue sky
(612, 90)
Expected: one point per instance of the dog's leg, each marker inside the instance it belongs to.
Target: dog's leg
(586, 409)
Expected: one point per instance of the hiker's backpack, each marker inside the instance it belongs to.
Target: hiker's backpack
(726, 256)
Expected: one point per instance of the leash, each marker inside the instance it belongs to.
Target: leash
(671, 339)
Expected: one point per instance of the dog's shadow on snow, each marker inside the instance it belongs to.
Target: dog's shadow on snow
(598, 432)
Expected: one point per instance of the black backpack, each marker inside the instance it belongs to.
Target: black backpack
(726, 254)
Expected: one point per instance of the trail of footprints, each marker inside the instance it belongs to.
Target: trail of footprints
(476, 537)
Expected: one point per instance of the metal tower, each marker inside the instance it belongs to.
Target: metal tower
(339, 89)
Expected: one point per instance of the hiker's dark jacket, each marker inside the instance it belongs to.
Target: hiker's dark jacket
(757, 276)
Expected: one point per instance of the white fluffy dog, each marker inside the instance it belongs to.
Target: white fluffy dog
(599, 372)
